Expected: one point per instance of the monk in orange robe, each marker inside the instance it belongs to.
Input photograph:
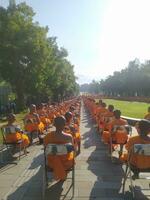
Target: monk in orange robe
(14, 133)
(117, 121)
(100, 115)
(139, 162)
(71, 129)
(108, 117)
(59, 163)
(33, 123)
(42, 112)
(147, 116)
(118, 135)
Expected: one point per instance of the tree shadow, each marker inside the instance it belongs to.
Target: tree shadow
(7, 160)
(31, 188)
(109, 175)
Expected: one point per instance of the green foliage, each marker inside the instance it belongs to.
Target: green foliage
(32, 63)
(132, 81)
(93, 87)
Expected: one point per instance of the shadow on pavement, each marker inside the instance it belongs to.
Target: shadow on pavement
(31, 188)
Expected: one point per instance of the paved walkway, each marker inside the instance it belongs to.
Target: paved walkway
(96, 177)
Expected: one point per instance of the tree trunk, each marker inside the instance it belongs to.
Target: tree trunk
(20, 101)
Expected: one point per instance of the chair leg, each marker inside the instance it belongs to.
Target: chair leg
(125, 178)
(19, 151)
(73, 181)
(25, 151)
(121, 150)
(111, 149)
(131, 183)
(44, 184)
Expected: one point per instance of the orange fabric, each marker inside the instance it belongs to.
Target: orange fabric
(116, 122)
(120, 137)
(100, 117)
(106, 136)
(140, 161)
(76, 136)
(14, 137)
(108, 117)
(31, 124)
(59, 163)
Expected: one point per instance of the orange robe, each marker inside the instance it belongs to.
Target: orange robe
(108, 117)
(31, 124)
(140, 161)
(44, 117)
(59, 163)
(16, 136)
(100, 119)
(107, 134)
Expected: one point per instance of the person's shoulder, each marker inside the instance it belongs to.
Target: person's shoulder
(134, 138)
(66, 135)
(123, 120)
(48, 135)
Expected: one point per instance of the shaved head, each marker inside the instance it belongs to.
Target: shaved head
(59, 121)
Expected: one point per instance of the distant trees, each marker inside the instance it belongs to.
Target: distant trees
(32, 63)
(134, 80)
(131, 81)
(93, 87)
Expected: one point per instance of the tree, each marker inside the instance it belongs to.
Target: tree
(32, 63)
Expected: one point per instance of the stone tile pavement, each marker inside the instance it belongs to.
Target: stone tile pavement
(96, 177)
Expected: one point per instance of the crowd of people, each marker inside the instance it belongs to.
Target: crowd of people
(56, 123)
(65, 117)
(114, 131)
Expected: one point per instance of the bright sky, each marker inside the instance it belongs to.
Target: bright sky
(101, 36)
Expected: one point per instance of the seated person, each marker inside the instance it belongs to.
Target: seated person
(32, 122)
(59, 163)
(42, 112)
(147, 116)
(73, 129)
(117, 121)
(139, 162)
(108, 116)
(13, 133)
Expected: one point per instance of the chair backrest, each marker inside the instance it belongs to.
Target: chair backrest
(7, 130)
(59, 149)
(142, 149)
(128, 129)
(11, 129)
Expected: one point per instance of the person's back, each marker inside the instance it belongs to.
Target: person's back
(59, 163)
(138, 162)
(117, 121)
(143, 129)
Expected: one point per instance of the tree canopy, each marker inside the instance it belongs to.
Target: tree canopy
(134, 80)
(31, 62)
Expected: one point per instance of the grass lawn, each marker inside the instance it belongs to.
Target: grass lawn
(129, 109)
(19, 120)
